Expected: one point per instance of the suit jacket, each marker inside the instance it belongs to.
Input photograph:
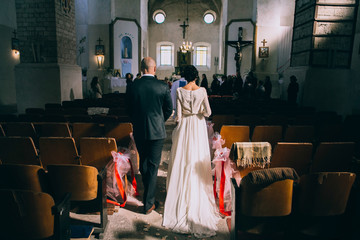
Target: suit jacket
(149, 106)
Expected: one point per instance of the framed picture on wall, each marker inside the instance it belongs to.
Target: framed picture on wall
(263, 52)
(15, 44)
(99, 50)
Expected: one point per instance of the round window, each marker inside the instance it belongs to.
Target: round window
(159, 16)
(209, 17)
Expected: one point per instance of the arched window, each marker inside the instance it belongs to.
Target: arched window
(209, 16)
(202, 56)
(159, 16)
(165, 54)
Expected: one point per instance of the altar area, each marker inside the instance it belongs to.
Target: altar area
(114, 84)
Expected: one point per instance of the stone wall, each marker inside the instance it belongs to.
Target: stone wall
(36, 30)
(46, 30)
(48, 71)
(335, 85)
(7, 78)
(321, 36)
(65, 32)
(8, 59)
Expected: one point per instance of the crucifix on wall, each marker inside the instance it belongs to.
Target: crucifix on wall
(99, 48)
(183, 56)
(184, 53)
(184, 26)
(239, 45)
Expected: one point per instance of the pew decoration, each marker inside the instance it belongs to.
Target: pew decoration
(223, 171)
(133, 154)
(217, 141)
(210, 131)
(118, 188)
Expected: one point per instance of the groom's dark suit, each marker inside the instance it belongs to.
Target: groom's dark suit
(149, 105)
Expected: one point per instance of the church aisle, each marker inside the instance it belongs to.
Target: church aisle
(130, 223)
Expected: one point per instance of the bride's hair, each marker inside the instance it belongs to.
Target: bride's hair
(190, 73)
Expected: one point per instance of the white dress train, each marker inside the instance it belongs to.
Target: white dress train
(190, 205)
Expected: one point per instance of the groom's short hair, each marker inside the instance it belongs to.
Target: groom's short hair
(146, 63)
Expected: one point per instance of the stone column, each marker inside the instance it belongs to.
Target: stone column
(47, 72)
(322, 49)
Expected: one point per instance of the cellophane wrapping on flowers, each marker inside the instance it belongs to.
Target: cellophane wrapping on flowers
(121, 159)
(133, 154)
(221, 155)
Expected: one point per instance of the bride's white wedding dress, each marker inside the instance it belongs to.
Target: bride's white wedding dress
(190, 204)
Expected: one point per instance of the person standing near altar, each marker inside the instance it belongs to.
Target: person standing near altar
(178, 83)
(149, 105)
(215, 86)
(129, 80)
(95, 87)
(293, 90)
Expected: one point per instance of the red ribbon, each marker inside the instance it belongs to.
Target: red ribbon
(120, 186)
(214, 188)
(221, 192)
(112, 202)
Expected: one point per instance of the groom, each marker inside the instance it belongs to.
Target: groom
(149, 106)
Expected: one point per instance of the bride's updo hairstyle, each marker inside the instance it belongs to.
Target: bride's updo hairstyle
(190, 73)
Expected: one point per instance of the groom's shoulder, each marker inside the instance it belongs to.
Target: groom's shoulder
(160, 83)
(153, 83)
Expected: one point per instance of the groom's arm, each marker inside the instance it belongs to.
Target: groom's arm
(167, 104)
(128, 101)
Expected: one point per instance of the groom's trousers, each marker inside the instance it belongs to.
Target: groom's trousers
(150, 156)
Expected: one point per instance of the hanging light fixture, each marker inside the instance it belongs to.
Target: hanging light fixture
(186, 45)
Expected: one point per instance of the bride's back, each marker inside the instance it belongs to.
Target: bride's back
(192, 101)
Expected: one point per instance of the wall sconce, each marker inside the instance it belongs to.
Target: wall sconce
(15, 44)
(100, 53)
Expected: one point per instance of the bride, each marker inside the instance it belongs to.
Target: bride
(190, 204)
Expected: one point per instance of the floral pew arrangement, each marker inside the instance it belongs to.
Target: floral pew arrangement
(222, 170)
(118, 188)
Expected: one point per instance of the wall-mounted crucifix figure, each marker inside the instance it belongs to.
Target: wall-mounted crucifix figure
(239, 45)
(184, 26)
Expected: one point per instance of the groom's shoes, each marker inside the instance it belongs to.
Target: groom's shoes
(154, 206)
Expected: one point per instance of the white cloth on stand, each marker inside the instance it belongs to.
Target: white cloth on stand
(117, 82)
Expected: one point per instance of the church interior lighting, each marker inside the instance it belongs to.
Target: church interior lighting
(186, 47)
(159, 16)
(100, 53)
(209, 17)
(100, 60)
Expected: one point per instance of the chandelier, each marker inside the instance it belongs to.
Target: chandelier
(186, 47)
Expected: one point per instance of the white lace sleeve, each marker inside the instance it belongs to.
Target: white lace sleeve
(207, 109)
(178, 107)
